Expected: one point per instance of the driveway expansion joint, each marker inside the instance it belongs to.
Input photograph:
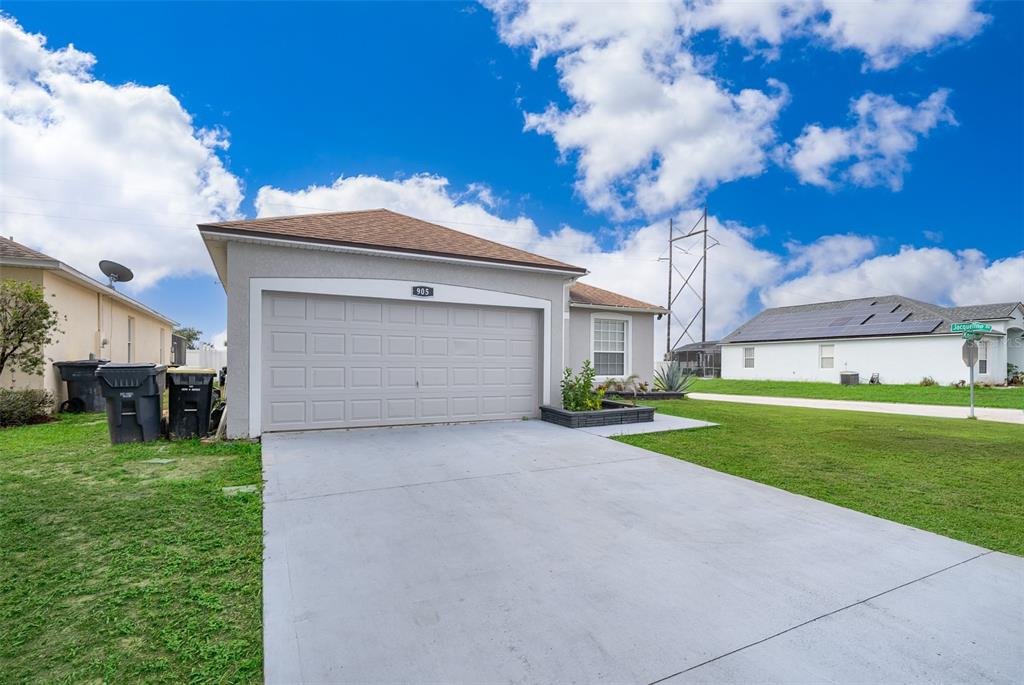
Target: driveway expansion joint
(502, 474)
(817, 618)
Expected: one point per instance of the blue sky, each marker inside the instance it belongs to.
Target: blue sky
(306, 93)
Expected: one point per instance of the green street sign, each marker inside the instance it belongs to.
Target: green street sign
(970, 327)
(973, 335)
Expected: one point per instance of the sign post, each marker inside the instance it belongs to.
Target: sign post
(970, 355)
(973, 332)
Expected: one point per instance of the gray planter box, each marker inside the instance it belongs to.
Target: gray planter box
(613, 413)
(649, 395)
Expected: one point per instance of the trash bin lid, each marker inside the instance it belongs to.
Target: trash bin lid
(82, 362)
(140, 366)
(195, 371)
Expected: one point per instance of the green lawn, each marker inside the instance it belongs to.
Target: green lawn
(1011, 398)
(114, 570)
(959, 478)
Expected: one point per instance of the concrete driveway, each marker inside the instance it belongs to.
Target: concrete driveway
(523, 552)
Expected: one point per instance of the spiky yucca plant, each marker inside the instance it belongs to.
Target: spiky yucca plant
(673, 377)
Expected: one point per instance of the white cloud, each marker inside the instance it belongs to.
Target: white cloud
(220, 340)
(930, 274)
(889, 31)
(97, 171)
(886, 32)
(629, 266)
(873, 150)
(829, 253)
(650, 126)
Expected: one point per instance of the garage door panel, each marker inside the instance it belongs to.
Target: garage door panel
(434, 347)
(365, 410)
(329, 411)
(288, 306)
(325, 309)
(404, 345)
(287, 377)
(365, 377)
(328, 343)
(433, 316)
(331, 377)
(288, 342)
(401, 377)
(339, 362)
(288, 412)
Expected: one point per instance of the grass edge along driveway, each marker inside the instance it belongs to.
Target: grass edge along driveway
(997, 398)
(117, 570)
(958, 478)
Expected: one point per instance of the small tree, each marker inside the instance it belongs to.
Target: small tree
(27, 324)
(191, 336)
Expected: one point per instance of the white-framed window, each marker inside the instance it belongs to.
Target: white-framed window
(748, 357)
(131, 338)
(610, 346)
(827, 356)
(983, 356)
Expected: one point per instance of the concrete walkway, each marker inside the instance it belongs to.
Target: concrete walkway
(938, 410)
(522, 552)
(660, 424)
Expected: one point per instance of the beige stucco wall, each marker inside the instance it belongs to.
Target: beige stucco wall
(88, 319)
(640, 346)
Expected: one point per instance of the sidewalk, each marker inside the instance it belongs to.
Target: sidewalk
(942, 411)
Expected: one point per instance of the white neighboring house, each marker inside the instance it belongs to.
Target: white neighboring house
(900, 339)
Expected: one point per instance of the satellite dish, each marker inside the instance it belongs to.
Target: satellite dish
(117, 273)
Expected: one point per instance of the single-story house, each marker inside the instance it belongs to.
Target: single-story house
(900, 339)
(703, 359)
(95, 318)
(373, 318)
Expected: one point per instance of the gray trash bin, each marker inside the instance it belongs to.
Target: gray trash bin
(83, 386)
(134, 403)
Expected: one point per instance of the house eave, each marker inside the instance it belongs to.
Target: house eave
(865, 337)
(610, 308)
(222, 235)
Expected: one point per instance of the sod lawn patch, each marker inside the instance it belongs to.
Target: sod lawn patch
(1007, 398)
(955, 477)
(127, 563)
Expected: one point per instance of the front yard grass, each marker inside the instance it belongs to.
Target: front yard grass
(1007, 398)
(116, 570)
(955, 477)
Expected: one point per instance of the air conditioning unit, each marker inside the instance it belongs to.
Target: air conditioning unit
(849, 378)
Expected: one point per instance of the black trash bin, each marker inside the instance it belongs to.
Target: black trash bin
(189, 401)
(83, 386)
(133, 393)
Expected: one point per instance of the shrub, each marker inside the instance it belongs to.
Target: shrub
(18, 407)
(578, 391)
(928, 380)
(673, 377)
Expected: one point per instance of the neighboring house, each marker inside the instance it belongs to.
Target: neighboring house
(703, 359)
(95, 318)
(375, 318)
(900, 339)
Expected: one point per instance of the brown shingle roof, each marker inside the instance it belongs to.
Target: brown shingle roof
(387, 230)
(13, 250)
(582, 293)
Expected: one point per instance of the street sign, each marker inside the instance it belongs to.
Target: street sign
(970, 326)
(970, 353)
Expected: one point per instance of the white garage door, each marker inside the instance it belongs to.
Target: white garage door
(341, 362)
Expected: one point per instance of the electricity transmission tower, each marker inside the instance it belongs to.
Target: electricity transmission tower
(700, 228)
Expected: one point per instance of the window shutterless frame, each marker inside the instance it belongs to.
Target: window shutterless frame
(827, 356)
(748, 357)
(608, 338)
